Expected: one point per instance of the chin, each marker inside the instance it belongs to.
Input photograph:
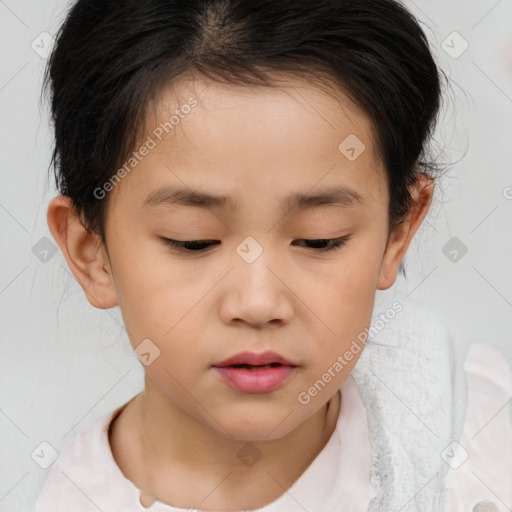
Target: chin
(258, 428)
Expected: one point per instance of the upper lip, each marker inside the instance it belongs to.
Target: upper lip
(254, 359)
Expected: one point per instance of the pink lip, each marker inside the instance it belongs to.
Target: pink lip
(254, 359)
(259, 379)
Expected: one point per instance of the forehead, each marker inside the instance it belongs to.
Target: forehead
(258, 109)
(255, 140)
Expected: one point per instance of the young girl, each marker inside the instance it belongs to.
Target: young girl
(240, 178)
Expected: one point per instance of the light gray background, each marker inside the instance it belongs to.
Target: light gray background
(65, 364)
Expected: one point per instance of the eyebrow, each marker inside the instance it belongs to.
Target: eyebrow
(341, 195)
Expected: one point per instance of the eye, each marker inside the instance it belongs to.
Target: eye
(327, 244)
(189, 245)
(321, 245)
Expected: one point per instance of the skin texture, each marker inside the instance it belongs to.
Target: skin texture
(178, 440)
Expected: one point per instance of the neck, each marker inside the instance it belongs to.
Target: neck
(208, 468)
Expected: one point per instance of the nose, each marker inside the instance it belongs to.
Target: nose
(256, 294)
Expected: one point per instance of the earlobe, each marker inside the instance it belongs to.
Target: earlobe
(400, 239)
(392, 257)
(84, 253)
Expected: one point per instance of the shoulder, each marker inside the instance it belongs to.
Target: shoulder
(480, 462)
(83, 472)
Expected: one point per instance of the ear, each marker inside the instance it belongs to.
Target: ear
(86, 255)
(421, 193)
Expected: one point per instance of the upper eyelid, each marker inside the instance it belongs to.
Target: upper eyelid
(341, 240)
(204, 240)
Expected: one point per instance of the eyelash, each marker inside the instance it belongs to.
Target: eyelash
(333, 243)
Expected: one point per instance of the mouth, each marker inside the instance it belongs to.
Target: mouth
(253, 367)
(255, 373)
(253, 359)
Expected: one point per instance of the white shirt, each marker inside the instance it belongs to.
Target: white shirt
(480, 478)
(86, 478)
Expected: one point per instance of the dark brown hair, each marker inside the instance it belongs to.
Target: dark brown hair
(111, 58)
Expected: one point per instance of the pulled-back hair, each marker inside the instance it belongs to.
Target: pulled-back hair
(112, 57)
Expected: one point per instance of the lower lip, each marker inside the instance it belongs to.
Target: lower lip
(260, 380)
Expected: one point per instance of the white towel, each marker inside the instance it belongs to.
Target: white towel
(410, 378)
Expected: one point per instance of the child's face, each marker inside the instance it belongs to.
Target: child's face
(269, 292)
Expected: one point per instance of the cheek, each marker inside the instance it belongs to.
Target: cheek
(342, 299)
(155, 295)
(343, 293)
(159, 299)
